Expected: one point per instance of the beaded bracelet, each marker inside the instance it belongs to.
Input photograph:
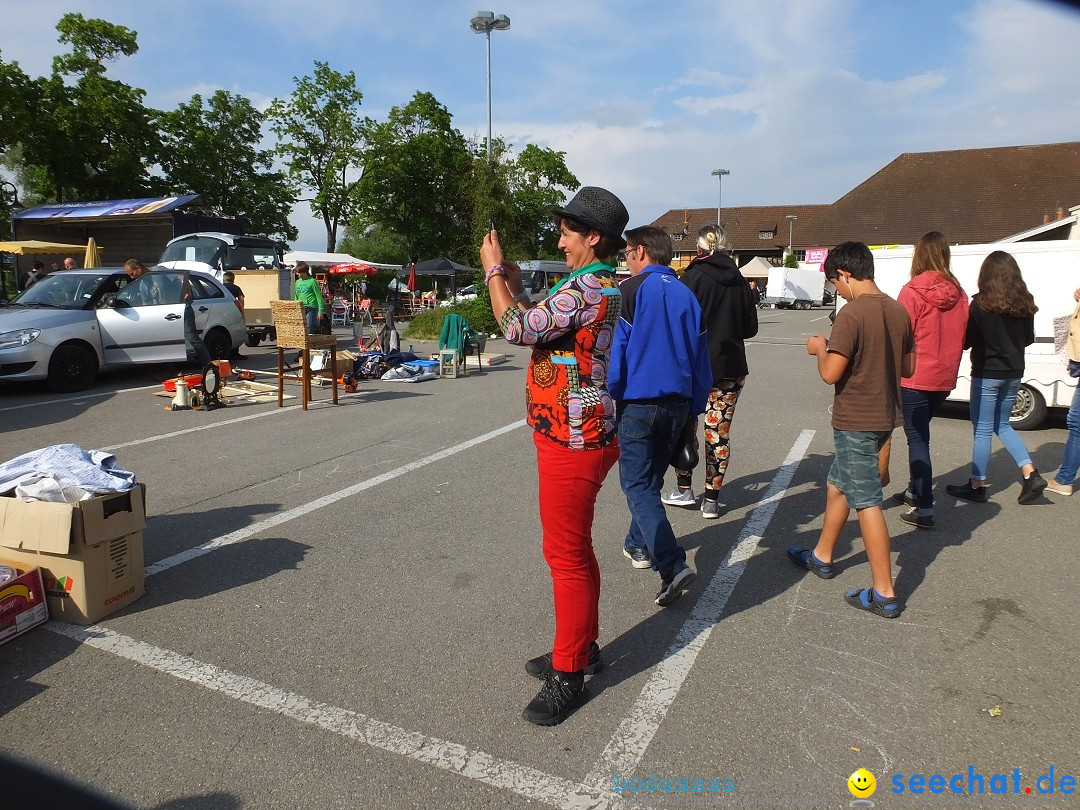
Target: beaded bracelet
(494, 270)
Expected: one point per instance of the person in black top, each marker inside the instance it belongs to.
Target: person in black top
(1001, 323)
(729, 313)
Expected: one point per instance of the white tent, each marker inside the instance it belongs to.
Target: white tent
(330, 259)
(757, 267)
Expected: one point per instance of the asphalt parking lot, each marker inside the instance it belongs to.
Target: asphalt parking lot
(340, 602)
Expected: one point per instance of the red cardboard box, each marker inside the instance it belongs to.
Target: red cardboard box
(22, 601)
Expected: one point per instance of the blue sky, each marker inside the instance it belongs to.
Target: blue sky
(801, 100)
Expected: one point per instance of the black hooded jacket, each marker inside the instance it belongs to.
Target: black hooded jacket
(727, 311)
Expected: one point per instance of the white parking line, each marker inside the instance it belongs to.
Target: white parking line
(449, 756)
(631, 740)
(319, 503)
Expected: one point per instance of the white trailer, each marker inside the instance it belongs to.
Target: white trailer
(795, 287)
(1051, 271)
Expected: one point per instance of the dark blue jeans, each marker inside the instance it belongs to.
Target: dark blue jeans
(648, 433)
(919, 409)
(193, 338)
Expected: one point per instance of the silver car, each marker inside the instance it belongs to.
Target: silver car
(73, 323)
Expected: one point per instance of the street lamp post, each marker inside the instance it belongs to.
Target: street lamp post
(6, 188)
(484, 22)
(720, 198)
(790, 221)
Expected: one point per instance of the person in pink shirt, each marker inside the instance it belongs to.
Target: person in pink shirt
(938, 308)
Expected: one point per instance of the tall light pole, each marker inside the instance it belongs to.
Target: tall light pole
(484, 22)
(720, 199)
(790, 221)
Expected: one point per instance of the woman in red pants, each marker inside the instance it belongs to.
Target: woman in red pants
(573, 421)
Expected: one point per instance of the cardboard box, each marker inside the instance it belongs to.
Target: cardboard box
(90, 553)
(22, 601)
(344, 361)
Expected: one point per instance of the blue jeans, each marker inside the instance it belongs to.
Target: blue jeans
(1071, 461)
(311, 317)
(991, 405)
(648, 434)
(919, 409)
(193, 338)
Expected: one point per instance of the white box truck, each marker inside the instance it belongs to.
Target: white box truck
(795, 288)
(1051, 271)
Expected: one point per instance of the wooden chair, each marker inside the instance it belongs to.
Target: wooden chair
(292, 334)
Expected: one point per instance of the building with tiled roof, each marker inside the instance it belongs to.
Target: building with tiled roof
(971, 195)
(760, 230)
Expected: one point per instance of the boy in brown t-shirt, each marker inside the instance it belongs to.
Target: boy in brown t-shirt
(870, 349)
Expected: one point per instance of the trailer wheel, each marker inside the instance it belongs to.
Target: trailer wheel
(1029, 410)
(254, 339)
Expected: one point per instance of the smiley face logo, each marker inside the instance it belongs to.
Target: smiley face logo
(862, 784)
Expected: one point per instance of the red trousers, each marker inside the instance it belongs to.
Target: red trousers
(569, 483)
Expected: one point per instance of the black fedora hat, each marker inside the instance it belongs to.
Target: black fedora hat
(600, 209)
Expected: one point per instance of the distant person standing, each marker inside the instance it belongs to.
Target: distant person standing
(36, 274)
(310, 295)
(1001, 324)
(69, 264)
(228, 278)
(938, 308)
(729, 314)
(1062, 483)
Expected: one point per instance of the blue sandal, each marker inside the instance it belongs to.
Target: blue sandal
(804, 558)
(871, 600)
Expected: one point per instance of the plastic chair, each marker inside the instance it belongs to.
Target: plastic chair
(292, 334)
(340, 313)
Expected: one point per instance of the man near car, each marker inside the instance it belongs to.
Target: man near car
(659, 375)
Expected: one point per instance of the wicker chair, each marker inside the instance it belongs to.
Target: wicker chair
(292, 334)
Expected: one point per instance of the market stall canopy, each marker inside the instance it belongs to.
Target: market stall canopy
(27, 247)
(757, 267)
(442, 266)
(329, 259)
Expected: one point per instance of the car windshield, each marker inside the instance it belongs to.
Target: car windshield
(64, 290)
(203, 249)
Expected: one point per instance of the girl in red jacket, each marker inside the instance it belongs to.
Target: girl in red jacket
(938, 308)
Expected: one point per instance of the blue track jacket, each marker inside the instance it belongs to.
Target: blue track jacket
(660, 347)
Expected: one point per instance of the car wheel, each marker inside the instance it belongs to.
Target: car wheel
(1029, 410)
(71, 368)
(218, 343)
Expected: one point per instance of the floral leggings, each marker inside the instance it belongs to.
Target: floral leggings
(718, 415)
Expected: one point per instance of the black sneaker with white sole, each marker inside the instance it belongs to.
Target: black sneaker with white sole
(638, 557)
(540, 667)
(561, 693)
(674, 584)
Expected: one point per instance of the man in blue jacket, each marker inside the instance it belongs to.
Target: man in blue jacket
(660, 374)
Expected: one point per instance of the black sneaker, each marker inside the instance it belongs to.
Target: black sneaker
(540, 667)
(967, 492)
(913, 517)
(560, 694)
(639, 557)
(1033, 487)
(904, 497)
(675, 583)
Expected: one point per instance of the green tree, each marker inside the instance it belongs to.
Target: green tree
(91, 137)
(789, 259)
(525, 190)
(416, 179)
(322, 143)
(212, 149)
